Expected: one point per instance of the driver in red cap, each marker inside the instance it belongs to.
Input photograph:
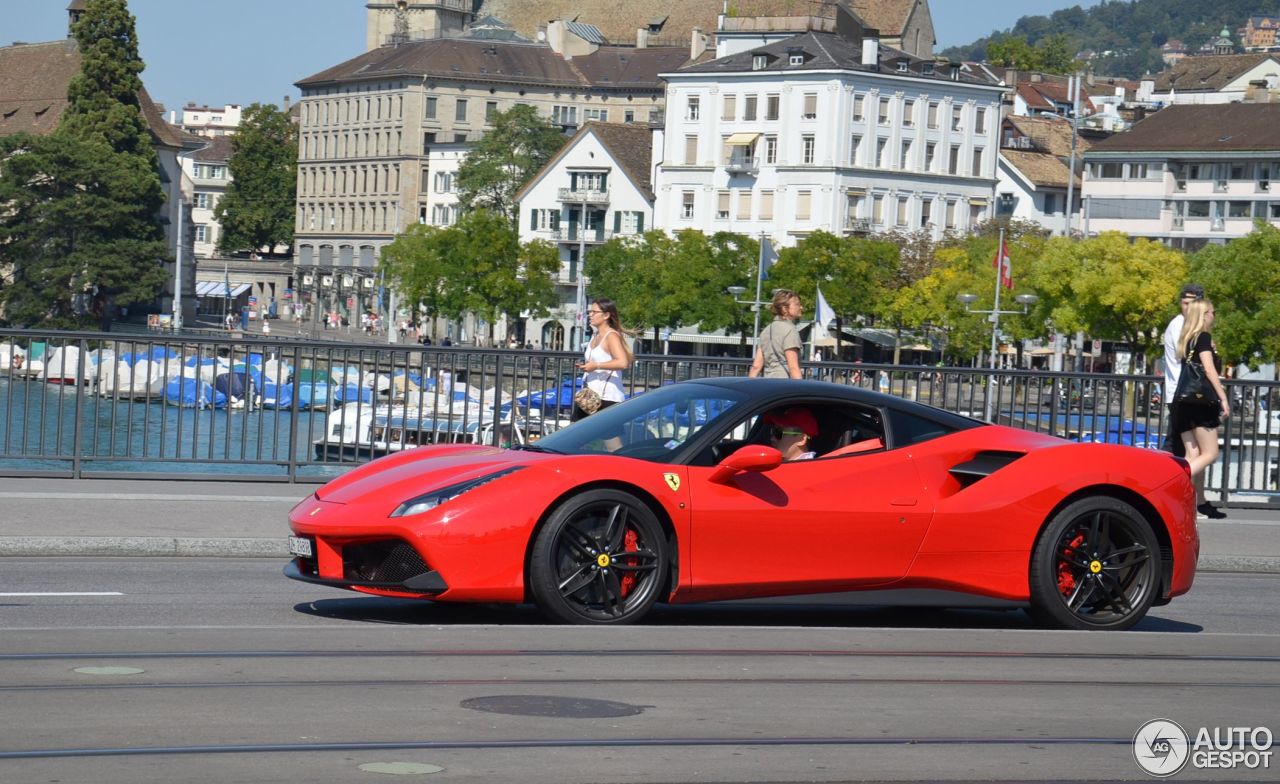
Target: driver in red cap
(792, 429)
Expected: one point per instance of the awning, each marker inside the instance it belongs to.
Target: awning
(218, 289)
(742, 139)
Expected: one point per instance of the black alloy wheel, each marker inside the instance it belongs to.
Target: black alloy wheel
(1096, 565)
(601, 558)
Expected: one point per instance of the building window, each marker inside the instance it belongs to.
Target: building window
(686, 204)
(903, 206)
(954, 164)
(431, 107)
(632, 222)
(771, 106)
(852, 208)
(690, 150)
(602, 115)
(804, 205)
(906, 155)
(951, 215)
(977, 161)
(693, 109)
(545, 220)
(1050, 203)
(810, 107)
(729, 110)
(957, 118)
(771, 149)
(807, 144)
(926, 213)
(722, 205)
(744, 205)
(933, 114)
(980, 123)
(908, 113)
(444, 182)
(564, 115)
(202, 201)
(884, 111)
(766, 205)
(855, 142)
(858, 108)
(203, 234)
(759, 62)
(877, 210)
(490, 109)
(930, 150)
(459, 138)
(628, 116)
(749, 108)
(882, 153)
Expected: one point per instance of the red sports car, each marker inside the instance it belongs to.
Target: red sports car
(683, 494)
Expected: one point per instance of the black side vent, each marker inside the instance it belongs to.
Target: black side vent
(983, 465)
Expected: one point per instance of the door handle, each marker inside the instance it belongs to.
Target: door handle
(903, 500)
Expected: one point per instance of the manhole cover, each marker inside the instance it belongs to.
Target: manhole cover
(559, 707)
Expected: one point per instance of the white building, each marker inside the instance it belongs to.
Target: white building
(598, 186)
(826, 129)
(211, 121)
(1032, 175)
(208, 174)
(438, 204)
(1214, 79)
(1187, 175)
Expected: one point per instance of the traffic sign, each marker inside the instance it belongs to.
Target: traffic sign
(253, 300)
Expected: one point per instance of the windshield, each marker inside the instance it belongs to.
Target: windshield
(653, 426)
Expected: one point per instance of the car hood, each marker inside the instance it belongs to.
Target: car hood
(419, 470)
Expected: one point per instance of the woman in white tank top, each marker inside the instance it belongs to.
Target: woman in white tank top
(605, 357)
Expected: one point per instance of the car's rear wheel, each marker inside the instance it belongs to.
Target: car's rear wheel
(1095, 566)
(601, 558)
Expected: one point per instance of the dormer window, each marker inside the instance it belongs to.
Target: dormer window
(759, 62)
(927, 69)
(796, 59)
(902, 66)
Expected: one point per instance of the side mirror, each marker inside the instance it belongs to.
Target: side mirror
(754, 457)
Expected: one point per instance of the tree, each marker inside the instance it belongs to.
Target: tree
(81, 230)
(853, 272)
(1242, 278)
(257, 212)
(417, 264)
(514, 149)
(72, 233)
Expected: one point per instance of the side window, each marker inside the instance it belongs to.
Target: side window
(910, 429)
(849, 430)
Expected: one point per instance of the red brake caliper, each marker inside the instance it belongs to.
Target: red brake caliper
(629, 544)
(1067, 580)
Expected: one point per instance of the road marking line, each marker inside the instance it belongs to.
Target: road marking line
(68, 593)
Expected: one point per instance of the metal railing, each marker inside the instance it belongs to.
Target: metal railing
(80, 404)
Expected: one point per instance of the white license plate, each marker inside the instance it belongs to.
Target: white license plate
(301, 547)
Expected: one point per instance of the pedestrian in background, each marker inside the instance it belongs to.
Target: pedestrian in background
(605, 357)
(1190, 293)
(1197, 424)
(778, 345)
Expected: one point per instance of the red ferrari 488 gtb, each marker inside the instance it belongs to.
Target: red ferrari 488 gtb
(682, 494)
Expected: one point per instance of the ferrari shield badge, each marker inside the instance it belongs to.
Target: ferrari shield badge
(673, 481)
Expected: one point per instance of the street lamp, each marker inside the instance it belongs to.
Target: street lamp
(756, 306)
(993, 315)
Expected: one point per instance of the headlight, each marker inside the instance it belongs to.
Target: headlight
(431, 500)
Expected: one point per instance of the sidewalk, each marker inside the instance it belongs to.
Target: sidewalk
(59, 517)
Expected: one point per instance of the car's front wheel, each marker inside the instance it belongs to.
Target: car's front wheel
(1096, 565)
(600, 558)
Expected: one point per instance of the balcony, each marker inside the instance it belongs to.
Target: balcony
(742, 164)
(1177, 222)
(584, 196)
(857, 226)
(573, 234)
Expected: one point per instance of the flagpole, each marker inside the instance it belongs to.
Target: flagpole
(755, 334)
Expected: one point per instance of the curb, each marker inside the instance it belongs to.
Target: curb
(191, 547)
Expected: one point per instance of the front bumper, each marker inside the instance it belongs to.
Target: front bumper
(427, 583)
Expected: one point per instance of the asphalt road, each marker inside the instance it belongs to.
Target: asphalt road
(162, 670)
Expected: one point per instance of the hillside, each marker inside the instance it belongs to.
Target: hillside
(1131, 31)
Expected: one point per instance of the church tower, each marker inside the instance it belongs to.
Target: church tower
(406, 20)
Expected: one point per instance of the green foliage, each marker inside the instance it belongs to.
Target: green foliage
(77, 233)
(510, 153)
(104, 96)
(1050, 55)
(257, 212)
(475, 266)
(1127, 35)
(853, 272)
(1108, 286)
(1242, 278)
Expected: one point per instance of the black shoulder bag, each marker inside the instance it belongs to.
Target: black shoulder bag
(1193, 387)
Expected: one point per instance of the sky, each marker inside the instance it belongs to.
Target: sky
(247, 51)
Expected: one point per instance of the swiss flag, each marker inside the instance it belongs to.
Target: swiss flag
(1002, 263)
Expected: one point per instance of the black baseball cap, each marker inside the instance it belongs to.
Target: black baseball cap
(1192, 290)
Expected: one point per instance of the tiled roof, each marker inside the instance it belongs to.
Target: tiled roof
(610, 67)
(217, 151)
(825, 51)
(1228, 127)
(1043, 171)
(887, 16)
(1209, 72)
(1046, 163)
(632, 147)
(33, 91)
(1048, 96)
(1049, 135)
